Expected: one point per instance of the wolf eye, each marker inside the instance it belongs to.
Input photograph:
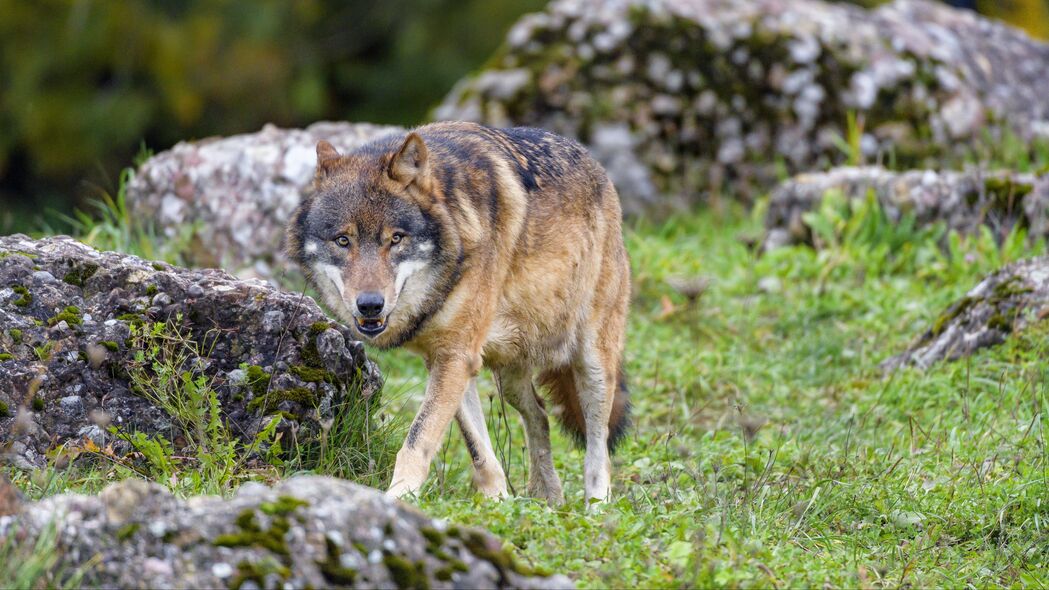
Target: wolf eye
(342, 241)
(396, 238)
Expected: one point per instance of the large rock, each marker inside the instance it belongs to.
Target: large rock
(962, 201)
(1005, 302)
(78, 351)
(236, 193)
(682, 96)
(307, 532)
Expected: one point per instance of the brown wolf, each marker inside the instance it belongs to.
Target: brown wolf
(477, 246)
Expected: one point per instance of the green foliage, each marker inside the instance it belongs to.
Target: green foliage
(164, 369)
(358, 443)
(852, 234)
(36, 565)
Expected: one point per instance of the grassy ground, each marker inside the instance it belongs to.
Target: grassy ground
(768, 448)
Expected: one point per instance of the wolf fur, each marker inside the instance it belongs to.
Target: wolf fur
(473, 246)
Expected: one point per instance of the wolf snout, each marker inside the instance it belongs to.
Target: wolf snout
(370, 304)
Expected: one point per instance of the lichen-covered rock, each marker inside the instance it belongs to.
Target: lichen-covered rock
(236, 193)
(1005, 302)
(307, 532)
(962, 201)
(697, 93)
(86, 337)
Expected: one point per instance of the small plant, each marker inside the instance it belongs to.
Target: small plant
(36, 565)
(165, 369)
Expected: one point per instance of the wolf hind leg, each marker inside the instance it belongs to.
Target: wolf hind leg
(594, 384)
(489, 477)
(517, 388)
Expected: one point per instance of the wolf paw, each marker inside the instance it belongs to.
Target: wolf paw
(547, 490)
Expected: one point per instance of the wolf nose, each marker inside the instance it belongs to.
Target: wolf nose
(370, 304)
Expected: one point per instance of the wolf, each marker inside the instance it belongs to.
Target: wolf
(477, 247)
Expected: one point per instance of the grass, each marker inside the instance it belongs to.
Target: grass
(768, 448)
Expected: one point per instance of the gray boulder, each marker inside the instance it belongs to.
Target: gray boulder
(235, 194)
(1005, 302)
(700, 94)
(78, 350)
(306, 532)
(962, 201)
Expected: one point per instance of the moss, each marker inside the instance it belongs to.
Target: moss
(310, 356)
(6, 356)
(251, 535)
(1009, 288)
(79, 274)
(25, 299)
(269, 401)
(70, 315)
(500, 558)
(332, 568)
(110, 345)
(38, 404)
(478, 545)
(16, 335)
(952, 312)
(8, 253)
(4, 410)
(311, 374)
(127, 531)
(158, 267)
(151, 290)
(246, 521)
(1000, 322)
(282, 506)
(258, 380)
(336, 574)
(257, 572)
(405, 574)
(130, 317)
(433, 536)
(443, 574)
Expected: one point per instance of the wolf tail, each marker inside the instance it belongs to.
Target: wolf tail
(561, 385)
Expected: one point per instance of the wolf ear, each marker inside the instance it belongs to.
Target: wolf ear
(411, 162)
(327, 155)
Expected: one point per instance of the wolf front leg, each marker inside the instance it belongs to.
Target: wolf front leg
(449, 377)
(488, 473)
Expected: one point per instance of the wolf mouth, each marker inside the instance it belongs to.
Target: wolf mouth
(370, 327)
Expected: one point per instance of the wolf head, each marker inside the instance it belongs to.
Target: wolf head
(373, 239)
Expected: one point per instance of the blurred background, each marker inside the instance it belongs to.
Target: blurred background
(86, 86)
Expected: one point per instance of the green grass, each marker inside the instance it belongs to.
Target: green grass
(768, 447)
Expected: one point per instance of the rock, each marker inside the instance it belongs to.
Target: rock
(306, 532)
(78, 353)
(236, 193)
(709, 90)
(1007, 301)
(963, 201)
